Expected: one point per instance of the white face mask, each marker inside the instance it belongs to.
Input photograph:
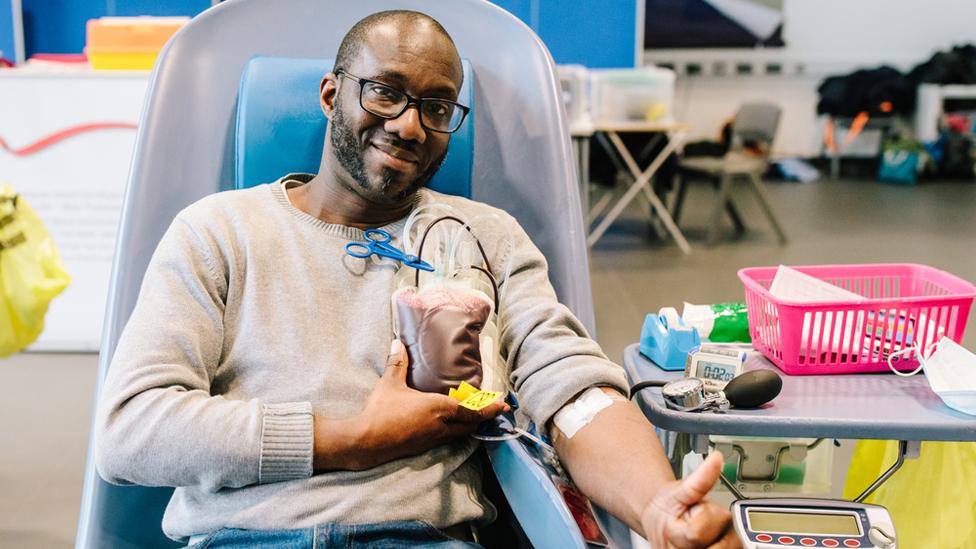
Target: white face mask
(950, 370)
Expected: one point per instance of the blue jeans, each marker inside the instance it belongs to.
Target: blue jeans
(383, 535)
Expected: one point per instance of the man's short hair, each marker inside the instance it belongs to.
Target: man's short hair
(352, 43)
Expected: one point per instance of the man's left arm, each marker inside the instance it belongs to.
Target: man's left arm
(616, 460)
(619, 463)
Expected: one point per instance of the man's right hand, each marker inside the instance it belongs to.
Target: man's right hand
(396, 422)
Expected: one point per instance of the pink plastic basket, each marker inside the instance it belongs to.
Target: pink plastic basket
(903, 303)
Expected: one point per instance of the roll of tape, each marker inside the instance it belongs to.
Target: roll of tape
(670, 316)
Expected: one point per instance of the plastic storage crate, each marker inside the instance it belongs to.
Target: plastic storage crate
(128, 43)
(632, 95)
(902, 304)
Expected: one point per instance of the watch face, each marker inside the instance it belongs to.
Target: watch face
(683, 387)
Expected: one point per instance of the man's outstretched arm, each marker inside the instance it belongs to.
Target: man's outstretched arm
(618, 462)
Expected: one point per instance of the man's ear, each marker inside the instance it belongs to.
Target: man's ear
(328, 90)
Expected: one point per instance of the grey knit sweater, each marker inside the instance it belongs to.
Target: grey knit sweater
(251, 318)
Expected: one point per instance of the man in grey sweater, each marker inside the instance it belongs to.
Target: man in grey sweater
(256, 373)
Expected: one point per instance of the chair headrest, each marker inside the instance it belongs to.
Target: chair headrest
(281, 128)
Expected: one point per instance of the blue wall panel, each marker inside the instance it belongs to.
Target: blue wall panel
(595, 33)
(7, 39)
(58, 26)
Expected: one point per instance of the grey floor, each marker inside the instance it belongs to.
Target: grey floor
(46, 408)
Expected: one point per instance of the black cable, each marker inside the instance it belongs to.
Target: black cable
(644, 385)
(423, 239)
(494, 283)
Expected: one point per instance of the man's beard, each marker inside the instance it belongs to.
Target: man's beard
(349, 152)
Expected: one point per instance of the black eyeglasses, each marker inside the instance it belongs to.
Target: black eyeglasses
(438, 115)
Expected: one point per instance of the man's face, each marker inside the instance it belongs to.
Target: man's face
(389, 159)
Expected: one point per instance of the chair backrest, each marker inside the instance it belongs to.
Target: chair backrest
(522, 163)
(280, 126)
(756, 122)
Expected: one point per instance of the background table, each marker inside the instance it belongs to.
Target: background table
(608, 135)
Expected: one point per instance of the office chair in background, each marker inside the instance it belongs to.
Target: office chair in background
(747, 159)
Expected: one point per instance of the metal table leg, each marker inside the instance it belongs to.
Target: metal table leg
(620, 164)
(581, 148)
(906, 449)
(642, 184)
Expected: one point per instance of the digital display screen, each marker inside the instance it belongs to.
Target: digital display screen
(716, 371)
(832, 524)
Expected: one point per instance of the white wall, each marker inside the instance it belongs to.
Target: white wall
(839, 33)
(823, 37)
(707, 102)
(76, 185)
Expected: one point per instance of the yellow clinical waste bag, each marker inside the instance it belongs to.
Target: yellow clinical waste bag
(932, 499)
(31, 273)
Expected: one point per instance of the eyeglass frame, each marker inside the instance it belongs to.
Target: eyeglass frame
(419, 101)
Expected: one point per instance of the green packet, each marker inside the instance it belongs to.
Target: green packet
(719, 322)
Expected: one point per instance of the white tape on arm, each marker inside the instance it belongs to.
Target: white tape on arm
(575, 415)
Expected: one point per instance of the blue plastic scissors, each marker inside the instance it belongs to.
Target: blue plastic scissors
(377, 242)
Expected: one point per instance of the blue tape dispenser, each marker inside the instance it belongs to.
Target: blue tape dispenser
(666, 340)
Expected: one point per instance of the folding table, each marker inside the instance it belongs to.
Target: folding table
(608, 135)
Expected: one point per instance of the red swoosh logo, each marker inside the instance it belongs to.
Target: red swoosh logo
(64, 134)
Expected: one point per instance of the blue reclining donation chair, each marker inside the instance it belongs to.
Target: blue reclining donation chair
(233, 102)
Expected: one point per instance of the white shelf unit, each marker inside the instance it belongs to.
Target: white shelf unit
(929, 107)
